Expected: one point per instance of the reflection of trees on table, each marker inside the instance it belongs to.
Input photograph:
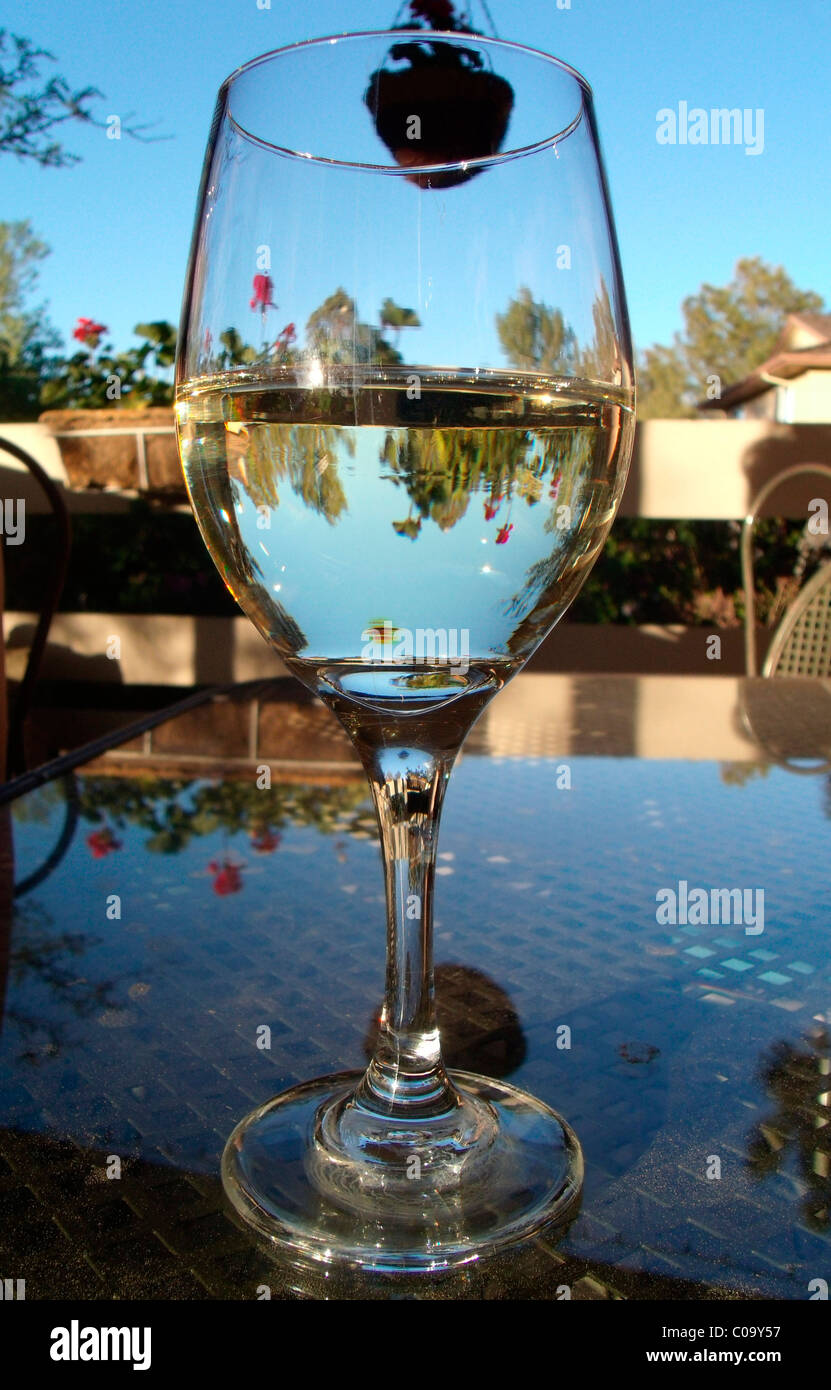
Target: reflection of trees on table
(798, 1082)
(176, 812)
(40, 956)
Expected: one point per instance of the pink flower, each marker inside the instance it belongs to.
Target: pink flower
(88, 332)
(503, 533)
(102, 843)
(265, 841)
(263, 289)
(286, 338)
(555, 484)
(227, 877)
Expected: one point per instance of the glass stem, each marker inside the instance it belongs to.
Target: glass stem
(406, 1077)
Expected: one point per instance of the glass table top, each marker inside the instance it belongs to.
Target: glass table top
(639, 938)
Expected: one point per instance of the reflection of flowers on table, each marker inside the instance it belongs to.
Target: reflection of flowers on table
(102, 843)
(265, 841)
(227, 876)
(177, 811)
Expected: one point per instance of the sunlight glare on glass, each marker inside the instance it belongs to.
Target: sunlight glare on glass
(314, 374)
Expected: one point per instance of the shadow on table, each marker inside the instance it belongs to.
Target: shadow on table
(798, 1080)
(157, 1232)
(480, 1029)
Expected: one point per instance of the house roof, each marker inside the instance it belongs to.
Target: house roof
(813, 334)
(820, 324)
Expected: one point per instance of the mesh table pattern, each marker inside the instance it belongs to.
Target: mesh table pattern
(199, 943)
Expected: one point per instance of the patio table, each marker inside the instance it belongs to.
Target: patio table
(169, 907)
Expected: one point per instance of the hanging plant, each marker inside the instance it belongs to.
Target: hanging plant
(444, 105)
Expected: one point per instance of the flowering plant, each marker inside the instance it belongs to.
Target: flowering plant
(88, 332)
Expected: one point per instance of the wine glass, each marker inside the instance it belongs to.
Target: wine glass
(404, 399)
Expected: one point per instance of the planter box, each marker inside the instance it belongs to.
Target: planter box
(125, 449)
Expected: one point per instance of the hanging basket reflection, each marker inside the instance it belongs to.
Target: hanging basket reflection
(444, 107)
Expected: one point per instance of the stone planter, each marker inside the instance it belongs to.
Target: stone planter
(124, 449)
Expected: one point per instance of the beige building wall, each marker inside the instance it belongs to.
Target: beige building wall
(810, 397)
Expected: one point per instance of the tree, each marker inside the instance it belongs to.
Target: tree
(335, 333)
(32, 106)
(395, 316)
(728, 332)
(26, 336)
(535, 336)
(663, 386)
(20, 252)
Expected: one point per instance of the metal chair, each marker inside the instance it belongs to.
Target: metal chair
(21, 701)
(801, 645)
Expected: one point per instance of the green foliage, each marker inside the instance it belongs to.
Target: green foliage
(20, 384)
(31, 110)
(175, 812)
(684, 572)
(149, 560)
(160, 336)
(731, 330)
(395, 316)
(534, 336)
(334, 333)
(104, 379)
(663, 386)
(235, 352)
(32, 106)
(728, 331)
(20, 253)
(26, 336)
(34, 378)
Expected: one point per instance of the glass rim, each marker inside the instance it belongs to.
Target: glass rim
(395, 36)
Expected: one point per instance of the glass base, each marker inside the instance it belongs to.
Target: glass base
(314, 1173)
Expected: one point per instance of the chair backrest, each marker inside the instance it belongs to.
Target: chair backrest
(800, 646)
(51, 598)
(802, 643)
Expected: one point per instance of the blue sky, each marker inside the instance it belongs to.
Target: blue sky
(119, 223)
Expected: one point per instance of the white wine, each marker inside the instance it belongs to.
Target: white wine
(407, 536)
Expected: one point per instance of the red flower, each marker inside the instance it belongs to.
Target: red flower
(227, 877)
(286, 338)
(102, 843)
(491, 508)
(263, 289)
(555, 484)
(503, 533)
(265, 841)
(88, 332)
